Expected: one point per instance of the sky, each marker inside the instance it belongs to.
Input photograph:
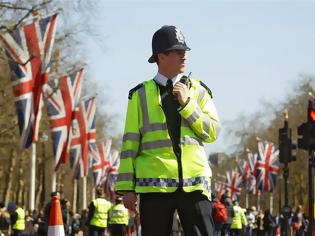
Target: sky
(246, 52)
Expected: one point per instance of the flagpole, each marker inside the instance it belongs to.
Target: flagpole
(93, 192)
(75, 194)
(258, 201)
(246, 200)
(271, 203)
(53, 181)
(84, 193)
(32, 180)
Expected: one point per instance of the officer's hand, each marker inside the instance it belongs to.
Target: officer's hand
(130, 200)
(181, 92)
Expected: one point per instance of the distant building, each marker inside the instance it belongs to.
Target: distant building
(216, 159)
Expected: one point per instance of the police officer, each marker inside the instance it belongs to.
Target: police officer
(18, 220)
(163, 160)
(239, 219)
(118, 218)
(98, 214)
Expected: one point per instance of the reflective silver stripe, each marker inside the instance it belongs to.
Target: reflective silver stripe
(125, 177)
(193, 117)
(153, 127)
(156, 144)
(144, 106)
(206, 121)
(190, 141)
(202, 93)
(128, 153)
(159, 182)
(131, 136)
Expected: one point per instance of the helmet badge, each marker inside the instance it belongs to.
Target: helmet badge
(179, 36)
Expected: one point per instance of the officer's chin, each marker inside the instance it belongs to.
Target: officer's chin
(182, 69)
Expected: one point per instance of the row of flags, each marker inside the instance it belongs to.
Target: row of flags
(257, 174)
(72, 119)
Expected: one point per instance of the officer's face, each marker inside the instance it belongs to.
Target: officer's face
(174, 61)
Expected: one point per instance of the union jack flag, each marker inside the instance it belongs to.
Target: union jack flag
(219, 188)
(251, 184)
(233, 184)
(84, 133)
(267, 166)
(29, 50)
(101, 161)
(111, 173)
(61, 103)
(247, 172)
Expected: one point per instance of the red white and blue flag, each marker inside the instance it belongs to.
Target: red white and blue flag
(101, 161)
(247, 171)
(61, 103)
(219, 188)
(251, 184)
(29, 49)
(267, 166)
(233, 184)
(111, 173)
(84, 133)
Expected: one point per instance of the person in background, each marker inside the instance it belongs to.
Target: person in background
(17, 219)
(219, 214)
(239, 219)
(269, 223)
(226, 200)
(259, 223)
(251, 221)
(66, 218)
(118, 218)
(4, 220)
(98, 214)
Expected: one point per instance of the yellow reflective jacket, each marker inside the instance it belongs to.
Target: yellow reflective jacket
(20, 222)
(118, 214)
(148, 162)
(239, 220)
(100, 216)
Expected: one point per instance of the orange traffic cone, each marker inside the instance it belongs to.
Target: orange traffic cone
(55, 227)
(277, 231)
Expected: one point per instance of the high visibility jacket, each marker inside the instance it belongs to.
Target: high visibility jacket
(20, 222)
(118, 214)
(100, 216)
(148, 162)
(239, 220)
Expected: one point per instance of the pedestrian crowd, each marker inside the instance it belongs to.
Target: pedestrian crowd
(232, 220)
(229, 219)
(16, 221)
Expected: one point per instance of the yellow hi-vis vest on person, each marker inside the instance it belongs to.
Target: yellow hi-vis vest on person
(148, 162)
(239, 220)
(118, 214)
(100, 216)
(20, 222)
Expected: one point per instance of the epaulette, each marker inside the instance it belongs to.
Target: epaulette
(134, 90)
(206, 87)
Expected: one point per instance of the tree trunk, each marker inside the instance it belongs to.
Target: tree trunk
(10, 178)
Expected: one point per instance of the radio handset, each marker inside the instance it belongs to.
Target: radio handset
(185, 79)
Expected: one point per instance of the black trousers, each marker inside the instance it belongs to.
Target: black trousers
(18, 232)
(96, 231)
(157, 211)
(117, 229)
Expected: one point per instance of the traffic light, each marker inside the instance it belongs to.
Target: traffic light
(306, 131)
(286, 147)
